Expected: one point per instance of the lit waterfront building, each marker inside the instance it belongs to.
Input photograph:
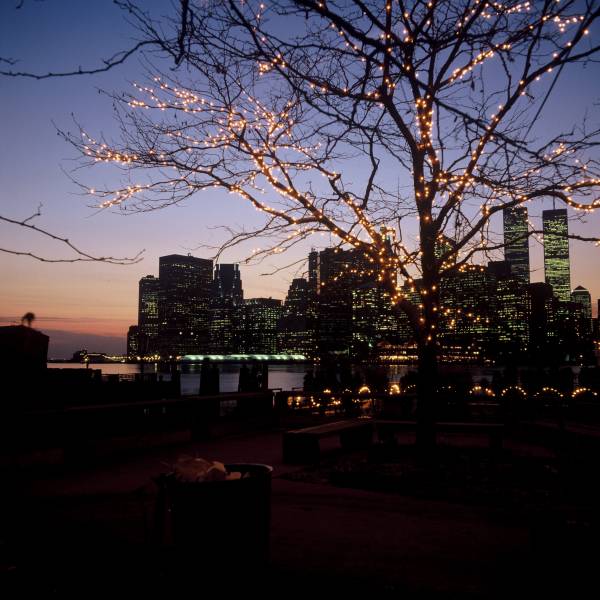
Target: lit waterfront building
(512, 306)
(516, 242)
(296, 328)
(582, 298)
(333, 274)
(133, 347)
(556, 253)
(543, 319)
(261, 317)
(227, 284)
(445, 250)
(185, 291)
(467, 310)
(226, 310)
(410, 292)
(226, 327)
(555, 327)
(374, 320)
(149, 288)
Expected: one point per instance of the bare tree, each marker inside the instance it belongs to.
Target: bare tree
(77, 254)
(278, 102)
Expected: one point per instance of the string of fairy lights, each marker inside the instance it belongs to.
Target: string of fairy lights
(266, 137)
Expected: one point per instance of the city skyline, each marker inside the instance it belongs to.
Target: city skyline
(72, 299)
(68, 341)
(489, 312)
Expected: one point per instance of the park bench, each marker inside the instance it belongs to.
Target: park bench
(302, 445)
(386, 428)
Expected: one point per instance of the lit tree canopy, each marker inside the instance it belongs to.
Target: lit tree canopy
(310, 109)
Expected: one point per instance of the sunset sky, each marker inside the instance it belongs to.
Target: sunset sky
(92, 304)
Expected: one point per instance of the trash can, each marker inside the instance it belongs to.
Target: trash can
(221, 526)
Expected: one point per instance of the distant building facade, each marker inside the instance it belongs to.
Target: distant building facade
(133, 342)
(375, 322)
(557, 269)
(227, 284)
(468, 312)
(335, 273)
(296, 329)
(184, 302)
(583, 300)
(516, 242)
(149, 291)
(261, 318)
(226, 322)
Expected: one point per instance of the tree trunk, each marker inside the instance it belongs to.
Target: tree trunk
(427, 379)
(426, 398)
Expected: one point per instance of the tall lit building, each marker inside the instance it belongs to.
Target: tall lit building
(261, 317)
(543, 320)
(511, 310)
(582, 298)
(313, 270)
(227, 284)
(445, 249)
(183, 308)
(334, 273)
(226, 328)
(133, 348)
(556, 253)
(466, 324)
(297, 325)
(374, 321)
(226, 310)
(149, 287)
(516, 242)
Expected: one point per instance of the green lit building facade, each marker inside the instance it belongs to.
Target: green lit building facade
(516, 242)
(556, 253)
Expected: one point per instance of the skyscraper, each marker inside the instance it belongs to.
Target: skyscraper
(556, 253)
(133, 348)
(149, 287)
(297, 325)
(543, 321)
(516, 240)
(335, 273)
(374, 321)
(466, 325)
(185, 290)
(261, 316)
(582, 298)
(444, 247)
(226, 310)
(512, 306)
(227, 284)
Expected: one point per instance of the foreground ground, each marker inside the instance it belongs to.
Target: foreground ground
(92, 529)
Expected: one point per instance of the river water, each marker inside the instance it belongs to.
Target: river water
(286, 377)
